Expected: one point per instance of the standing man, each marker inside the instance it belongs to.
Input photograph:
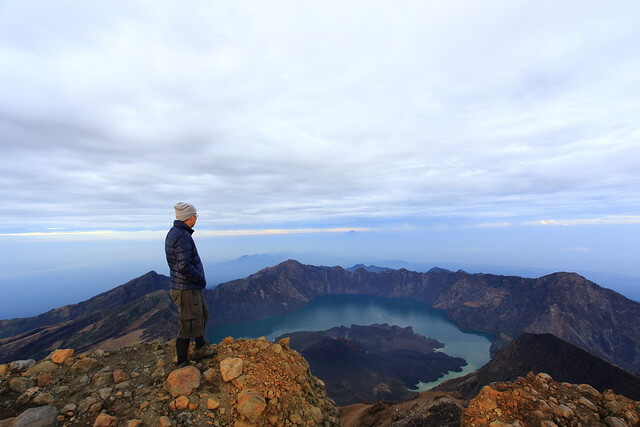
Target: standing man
(187, 282)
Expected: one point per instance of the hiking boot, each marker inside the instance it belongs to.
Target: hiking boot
(183, 364)
(204, 352)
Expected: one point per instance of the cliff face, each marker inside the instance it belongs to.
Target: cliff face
(248, 383)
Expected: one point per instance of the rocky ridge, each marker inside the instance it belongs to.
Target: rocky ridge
(248, 383)
(428, 409)
(537, 400)
(529, 401)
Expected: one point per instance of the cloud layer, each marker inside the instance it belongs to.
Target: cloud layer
(317, 113)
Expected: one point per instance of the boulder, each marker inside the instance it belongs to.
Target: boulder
(182, 381)
(164, 421)
(61, 355)
(44, 378)
(230, 368)
(20, 384)
(44, 416)
(22, 365)
(85, 364)
(46, 366)
(209, 375)
(284, 342)
(182, 403)
(251, 404)
(105, 420)
(119, 376)
(101, 378)
(43, 399)
(212, 404)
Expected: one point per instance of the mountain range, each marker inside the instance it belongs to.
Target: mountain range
(566, 305)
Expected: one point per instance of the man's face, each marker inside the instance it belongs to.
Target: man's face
(191, 221)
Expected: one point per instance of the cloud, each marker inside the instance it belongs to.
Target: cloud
(577, 249)
(610, 219)
(293, 114)
(490, 225)
(160, 234)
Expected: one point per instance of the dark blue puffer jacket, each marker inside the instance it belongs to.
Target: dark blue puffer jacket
(183, 259)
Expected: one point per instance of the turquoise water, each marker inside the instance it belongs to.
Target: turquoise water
(336, 310)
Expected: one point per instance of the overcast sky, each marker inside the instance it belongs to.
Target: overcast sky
(318, 114)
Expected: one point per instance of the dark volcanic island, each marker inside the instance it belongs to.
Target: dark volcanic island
(371, 363)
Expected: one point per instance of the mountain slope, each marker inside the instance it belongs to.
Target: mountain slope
(116, 297)
(546, 353)
(138, 310)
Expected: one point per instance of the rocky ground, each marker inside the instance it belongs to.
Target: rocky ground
(537, 400)
(428, 409)
(248, 383)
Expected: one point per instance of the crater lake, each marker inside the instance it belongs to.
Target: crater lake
(337, 310)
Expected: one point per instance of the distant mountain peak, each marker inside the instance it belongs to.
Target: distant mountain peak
(439, 270)
(369, 268)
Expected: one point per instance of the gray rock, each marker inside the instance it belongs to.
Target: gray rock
(44, 416)
(123, 385)
(43, 399)
(184, 419)
(104, 393)
(102, 378)
(21, 384)
(22, 365)
(615, 422)
(86, 403)
(69, 407)
(60, 390)
(589, 404)
(84, 380)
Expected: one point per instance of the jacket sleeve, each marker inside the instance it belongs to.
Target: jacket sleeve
(184, 262)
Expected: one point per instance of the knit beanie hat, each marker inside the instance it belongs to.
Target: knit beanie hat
(184, 211)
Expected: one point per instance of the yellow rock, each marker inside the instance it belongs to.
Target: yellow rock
(105, 420)
(182, 381)
(212, 404)
(61, 355)
(230, 368)
(182, 403)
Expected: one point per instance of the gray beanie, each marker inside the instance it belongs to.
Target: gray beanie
(184, 211)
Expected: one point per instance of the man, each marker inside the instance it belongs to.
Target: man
(187, 282)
